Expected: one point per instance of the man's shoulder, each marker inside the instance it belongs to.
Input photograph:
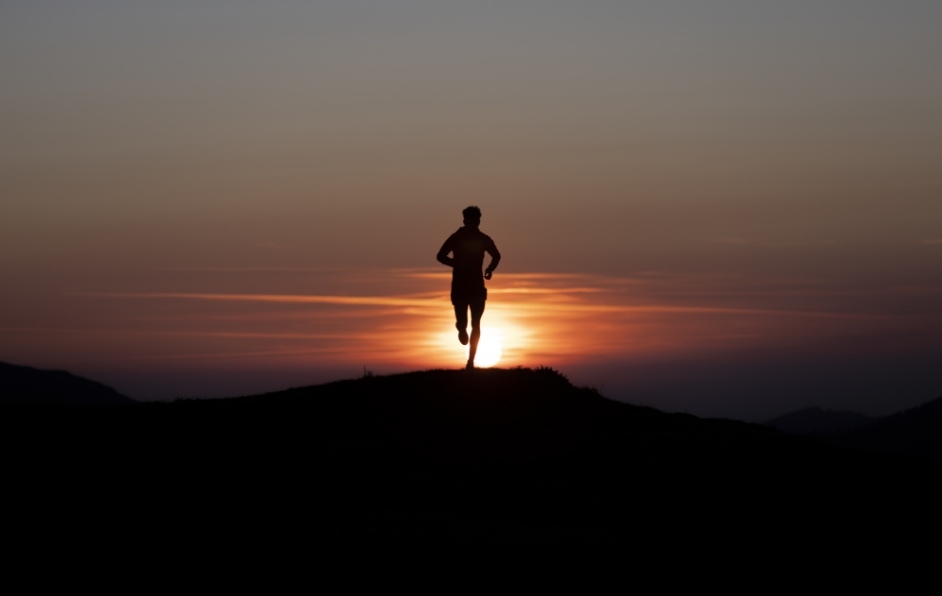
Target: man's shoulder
(465, 235)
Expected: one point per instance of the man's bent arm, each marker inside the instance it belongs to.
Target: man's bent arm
(442, 255)
(495, 257)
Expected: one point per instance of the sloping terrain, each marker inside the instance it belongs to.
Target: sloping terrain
(488, 460)
(25, 385)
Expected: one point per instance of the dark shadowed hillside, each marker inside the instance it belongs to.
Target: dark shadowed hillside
(25, 385)
(496, 461)
(818, 421)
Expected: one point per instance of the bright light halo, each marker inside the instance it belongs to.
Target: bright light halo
(490, 348)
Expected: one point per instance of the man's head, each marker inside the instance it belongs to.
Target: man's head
(472, 216)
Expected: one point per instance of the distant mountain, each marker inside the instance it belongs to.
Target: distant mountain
(25, 385)
(817, 421)
(917, 431)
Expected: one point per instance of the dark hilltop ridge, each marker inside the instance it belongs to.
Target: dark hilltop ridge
(25, 385)
(492, 461)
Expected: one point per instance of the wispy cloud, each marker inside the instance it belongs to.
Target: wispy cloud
(278, 298)
(596, 294)
(506, 276)
(932, 241)
(254, 269)
(655, 309)
(547, 291)
(208, 334)
(405, 320)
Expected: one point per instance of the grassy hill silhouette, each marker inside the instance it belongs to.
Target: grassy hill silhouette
(25, 385)
(489, 460)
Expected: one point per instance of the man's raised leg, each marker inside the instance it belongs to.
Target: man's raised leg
(461, 316)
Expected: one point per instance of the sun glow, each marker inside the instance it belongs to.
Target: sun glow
(490, 348)
(395, 325)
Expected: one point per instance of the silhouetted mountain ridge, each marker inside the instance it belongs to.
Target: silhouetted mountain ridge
(25, 385)
(916, 431)
(818, 421)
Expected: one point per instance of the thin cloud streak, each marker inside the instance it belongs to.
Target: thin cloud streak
(278, 269)
(403, 320)
(550, 291)
(505, 276)
(589, 308)
(281, 298)
(222, 334)
(551, 306)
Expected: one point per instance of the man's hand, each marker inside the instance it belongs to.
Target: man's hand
(488, 274)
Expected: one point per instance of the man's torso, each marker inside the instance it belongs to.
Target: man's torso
(468, 247)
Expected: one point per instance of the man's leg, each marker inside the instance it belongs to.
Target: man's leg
(461, 315)
(477, 311)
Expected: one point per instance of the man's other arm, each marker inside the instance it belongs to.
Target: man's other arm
(442, 255)
(495, 258)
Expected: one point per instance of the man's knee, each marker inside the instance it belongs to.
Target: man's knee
(477, 311)
(475, 320)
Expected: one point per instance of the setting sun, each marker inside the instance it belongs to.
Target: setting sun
(491, 347)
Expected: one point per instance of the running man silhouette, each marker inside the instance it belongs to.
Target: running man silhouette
(468, 246)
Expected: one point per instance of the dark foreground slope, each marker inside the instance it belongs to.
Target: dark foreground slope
(487, 460)
(25, 385)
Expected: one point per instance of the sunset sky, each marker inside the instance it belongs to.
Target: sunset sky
(721, 207)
